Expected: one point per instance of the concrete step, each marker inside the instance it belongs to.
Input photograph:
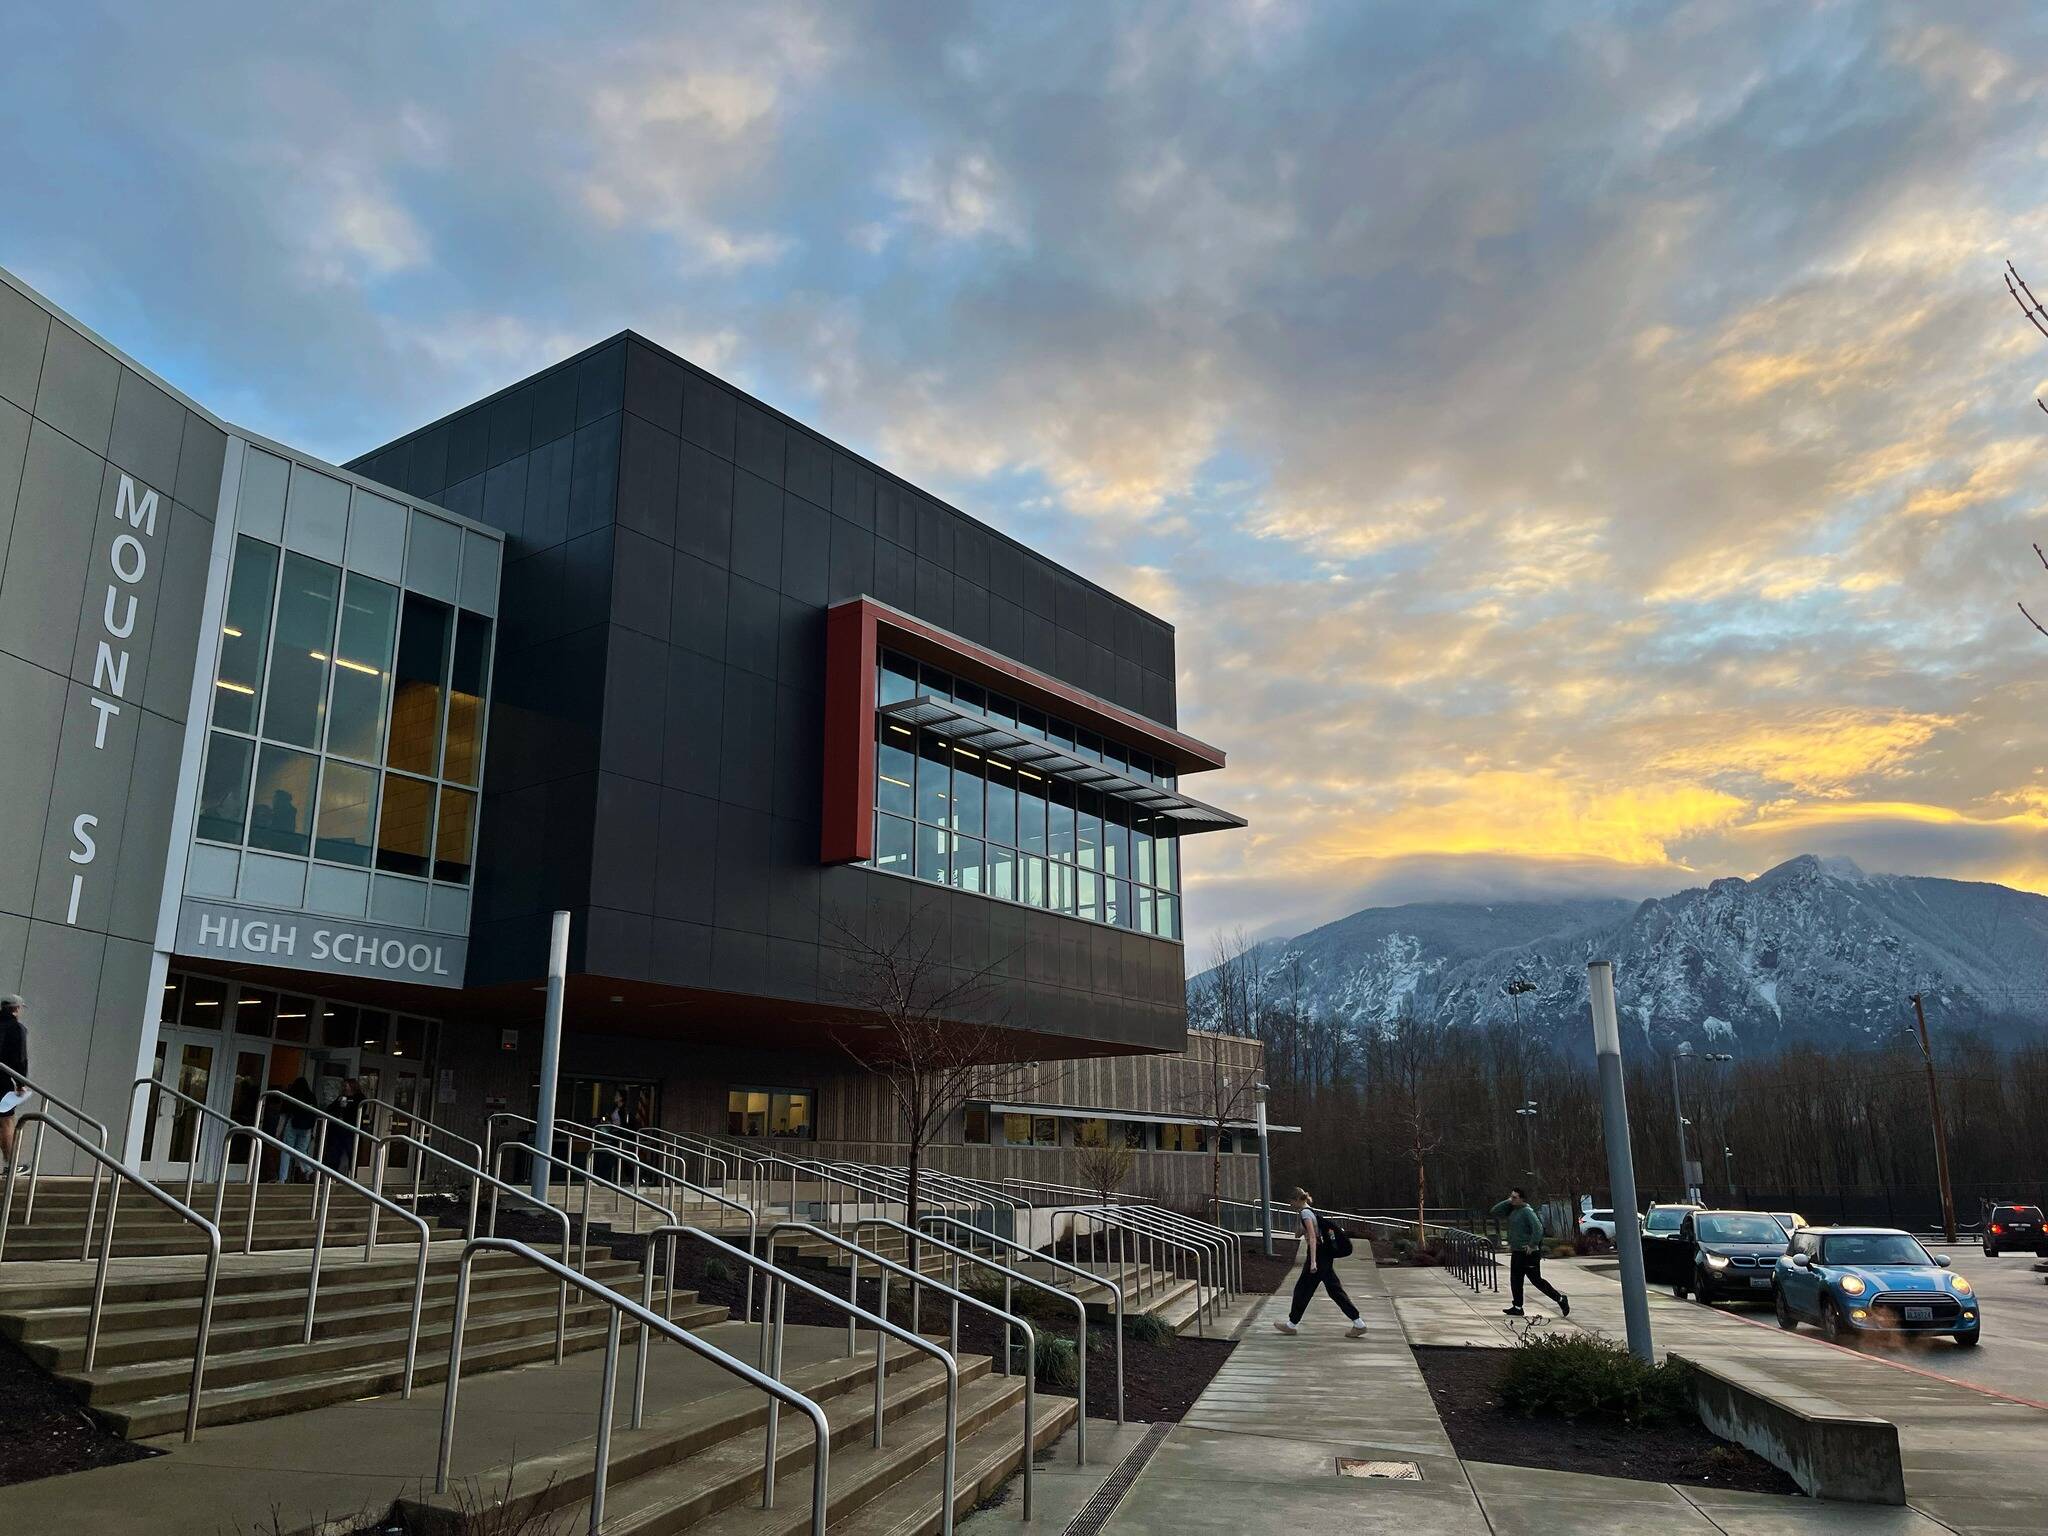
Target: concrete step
(694, 1460)
(268, 1387)
(241, 1276)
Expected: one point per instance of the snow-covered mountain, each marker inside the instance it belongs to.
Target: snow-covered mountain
(1813, 950)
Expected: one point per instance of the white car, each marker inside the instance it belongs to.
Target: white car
(1597, 1220)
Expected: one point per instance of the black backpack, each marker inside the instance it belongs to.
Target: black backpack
(1332, 1239)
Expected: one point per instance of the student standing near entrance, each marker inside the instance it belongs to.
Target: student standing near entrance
(1525, 1253)
(14, 1054)
(1319, 1268)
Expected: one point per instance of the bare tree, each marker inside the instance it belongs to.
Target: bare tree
(1103, 1166)
(929, 1028)
(1415, 1051)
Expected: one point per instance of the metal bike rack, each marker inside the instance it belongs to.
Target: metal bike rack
(650, 1321)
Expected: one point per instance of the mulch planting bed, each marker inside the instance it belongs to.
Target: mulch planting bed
(1462, 1383)
(44, 1431)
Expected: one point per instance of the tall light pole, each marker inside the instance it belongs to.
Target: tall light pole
(550, 1055)
(1728, 1168)
(1685, 1052)
(1265, 1167)
(1948, 1199)
(1515, 990)
(1621, 1167)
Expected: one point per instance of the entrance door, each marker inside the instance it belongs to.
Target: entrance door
(175, 1133)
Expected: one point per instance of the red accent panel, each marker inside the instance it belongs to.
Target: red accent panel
(851, 658)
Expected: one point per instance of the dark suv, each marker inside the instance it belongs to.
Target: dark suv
(1720, 1256)
(2014, 1227)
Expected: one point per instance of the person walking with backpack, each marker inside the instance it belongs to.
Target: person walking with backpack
(1525, 1253)
(1323, 1244)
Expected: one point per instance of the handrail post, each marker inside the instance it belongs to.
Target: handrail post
(607, 1395)
(780, 1306)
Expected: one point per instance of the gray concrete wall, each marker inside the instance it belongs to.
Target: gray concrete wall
(109, 485)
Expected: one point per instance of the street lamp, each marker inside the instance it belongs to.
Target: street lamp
(1515, 990)
(1528, 1116)
(1621, 1167)
(1684, 1053)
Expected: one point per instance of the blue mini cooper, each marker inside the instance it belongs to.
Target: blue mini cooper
(1872, 1280)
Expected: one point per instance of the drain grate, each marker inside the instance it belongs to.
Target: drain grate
(1096, 1512)
(1402, 1471)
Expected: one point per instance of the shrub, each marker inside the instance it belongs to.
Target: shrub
(1593, 1240)
(717, 1271)
(1580, 1375)
(1058, 1362)
(1563, 1248)
(1147, 1329)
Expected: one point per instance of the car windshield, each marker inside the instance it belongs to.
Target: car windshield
(1664, 1218)
(1874, 1248)
(1738, 1229)
(2020, 1213)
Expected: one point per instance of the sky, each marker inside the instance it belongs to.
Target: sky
(1581, 446)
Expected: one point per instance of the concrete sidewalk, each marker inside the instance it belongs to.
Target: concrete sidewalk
(1259, 1450)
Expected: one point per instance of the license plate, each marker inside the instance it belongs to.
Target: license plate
(2023, 1226)
(1760, 1282)
(1919, 1314)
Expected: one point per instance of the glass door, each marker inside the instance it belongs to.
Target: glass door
(175, 1133)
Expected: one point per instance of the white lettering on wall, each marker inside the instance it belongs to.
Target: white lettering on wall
(84, 853)
(211, 930)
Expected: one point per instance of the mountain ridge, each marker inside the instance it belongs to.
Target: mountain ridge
(1811, 951)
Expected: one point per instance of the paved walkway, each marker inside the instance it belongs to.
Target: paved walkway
(1258, 1452)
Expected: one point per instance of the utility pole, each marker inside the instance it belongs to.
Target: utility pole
(1621, 1167)
(1514, 990)
(1678, 1112)
(1948, 1199)
(1265, 1171)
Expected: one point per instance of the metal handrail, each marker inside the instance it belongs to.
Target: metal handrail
(589, 1178)
(92, 1209)
(888, 1266)
(704, 1152)
(328, 1175)
(432, 1129)
(99, 1283)
(378, 1158)
(1474, 1257)
(773, 1309)
(1113, 1216)
(1206, 1233)
(1115, 1288)
(943, 1184)
(478, 1178)
(1010, 1276)
(649, 1320)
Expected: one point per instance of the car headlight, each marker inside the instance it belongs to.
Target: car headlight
(1852, 1285)
(1716, 1261)
(1961, 1286)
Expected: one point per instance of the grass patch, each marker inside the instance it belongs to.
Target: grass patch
(1147, 1329)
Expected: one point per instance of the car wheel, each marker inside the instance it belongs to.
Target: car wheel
(1678, 1289)
(1702, 1293)
(1991, 1250)
(1833, 1328)
(1969, 1340)
(1786, 1319)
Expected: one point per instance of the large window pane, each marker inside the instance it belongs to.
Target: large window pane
(420, 679)
(1002, 872)
(934, 782)
(931, 853)
(934, 683)
(1060, 826)
(362, 668)
(1002, 803)
(455, 836)
(892, 844)
(1062, 899)
(1086, 885)
(1088, 829)
(1116, 839)
(967, 863)
(244, 633)
(967, 791)
(1148, 921)
(898, 680)
(1120, 911)
(1168, 857)
(1141, 848)
(894, 767)
(464, 758)
(295, 698)
(1030, 811)
(281, 809)
(1034, 891)
(348, 804)
(224, 787)
(405, 825)
(1169, 916)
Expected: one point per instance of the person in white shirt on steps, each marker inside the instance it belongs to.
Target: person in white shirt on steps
(1320, 1268)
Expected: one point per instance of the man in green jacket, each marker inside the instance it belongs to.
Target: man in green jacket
(1525, 1252)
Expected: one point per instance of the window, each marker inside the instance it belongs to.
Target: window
(892, 845)
(894, 767)
(968, 797)
(1183, 1138)
(935, 782)
(281, 808)
(785, 1113)
(295, 697)
(1059, 835)
(419, 681)
(931, 853)
(224, 787)
(1045, 1131)
(348, 803)
(245, 634)
(1137, 1135)
(405, 825)
(898, 681)
(967, 870)
(1002, 872)
(362, 664)
(974, 1126)
(1030, 811)
(1017, 1130)
(464, 758)
(1002, 803)
(1091, 1133)
(454, 835)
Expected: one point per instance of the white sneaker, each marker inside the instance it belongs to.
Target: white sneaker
(1355, 1331)
(1284, 1327)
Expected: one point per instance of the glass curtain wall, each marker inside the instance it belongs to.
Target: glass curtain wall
(348, 719)
(955, 816)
